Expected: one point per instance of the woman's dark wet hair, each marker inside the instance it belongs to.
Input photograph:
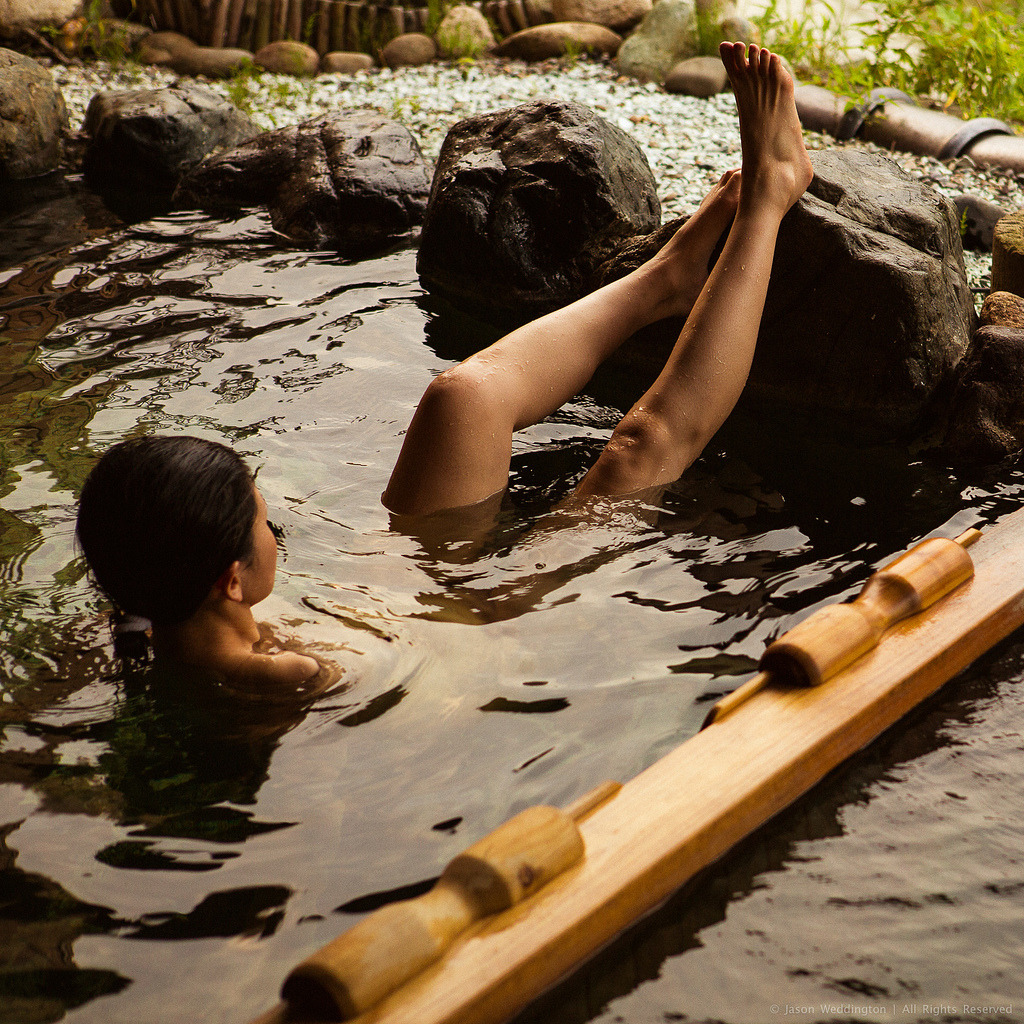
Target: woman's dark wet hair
(161, 518)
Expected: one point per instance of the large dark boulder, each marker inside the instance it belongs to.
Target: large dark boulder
(868, 313)
(352, 181)
(33, 118)
(986, 423)
(525, 202)
(145, 140)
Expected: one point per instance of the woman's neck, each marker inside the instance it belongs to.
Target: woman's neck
(219, 637)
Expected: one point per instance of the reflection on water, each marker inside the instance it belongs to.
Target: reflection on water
(484, 667)
(902, 852)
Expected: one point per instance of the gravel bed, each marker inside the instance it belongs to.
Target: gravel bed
(688, 142)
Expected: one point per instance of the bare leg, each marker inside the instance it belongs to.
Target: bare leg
(458, 447)
(705, 374)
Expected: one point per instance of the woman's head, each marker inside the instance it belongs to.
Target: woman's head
(160, 521)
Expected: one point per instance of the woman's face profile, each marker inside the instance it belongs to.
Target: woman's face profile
(258, 575)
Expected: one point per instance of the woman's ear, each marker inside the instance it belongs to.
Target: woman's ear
(230, 582)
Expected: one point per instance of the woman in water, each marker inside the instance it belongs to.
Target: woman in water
(175, 530)
(458, 447)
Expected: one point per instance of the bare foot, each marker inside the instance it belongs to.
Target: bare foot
(685, 257)
(776, 169)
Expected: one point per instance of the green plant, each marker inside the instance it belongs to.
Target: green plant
(94, 34)
(436, 10)
(968, 54)
(709, 35)
(402, 105)
(460, 43)
(241, 86)
(572, 50)
(816, 47)
(954, 52)
(309, 28)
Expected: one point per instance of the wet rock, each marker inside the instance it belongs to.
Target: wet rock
(1008, 254)
(667, 35)
(978, 219)
(697, 76)
(33, 118)
(45, 214)
(868, 313)
(288, 57)
(144, 141)
(525, 202)
(409, 50)
(463, 32)
(987, 422)
(15, 14)
(618, 15)
(161, 48)
(1002, 309)
(344, 62)
(212, 61)
(544, 42)
(632, 252)
(352, 181)
(179, 53)
(868, 317)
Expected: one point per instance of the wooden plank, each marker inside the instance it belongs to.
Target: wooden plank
(233, 28)
(188, 20)
(337, 34)
(323, 27)
(219, 24)
(168, 20)
(263, 25)
(690, 807)
(295, 23)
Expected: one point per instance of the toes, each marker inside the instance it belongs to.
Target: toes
(748, 66)
(727, 189)
(732, 57)
(731, 189)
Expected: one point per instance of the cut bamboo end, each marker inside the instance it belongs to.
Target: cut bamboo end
(838, 635)
(583, 806)
(359, 968)
(733, 700)
(968, 537)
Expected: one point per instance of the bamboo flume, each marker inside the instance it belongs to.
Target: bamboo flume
(643, 841)
(837, 635)
(360, 967)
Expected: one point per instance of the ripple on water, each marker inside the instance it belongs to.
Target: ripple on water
(475, 680)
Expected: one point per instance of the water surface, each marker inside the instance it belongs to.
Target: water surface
(167, 853)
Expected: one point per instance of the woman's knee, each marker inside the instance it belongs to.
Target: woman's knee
(463, 393)
(642, 451)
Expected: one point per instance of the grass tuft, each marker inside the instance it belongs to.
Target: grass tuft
(967, 55)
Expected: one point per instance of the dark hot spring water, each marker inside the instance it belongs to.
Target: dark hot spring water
(167, 854)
